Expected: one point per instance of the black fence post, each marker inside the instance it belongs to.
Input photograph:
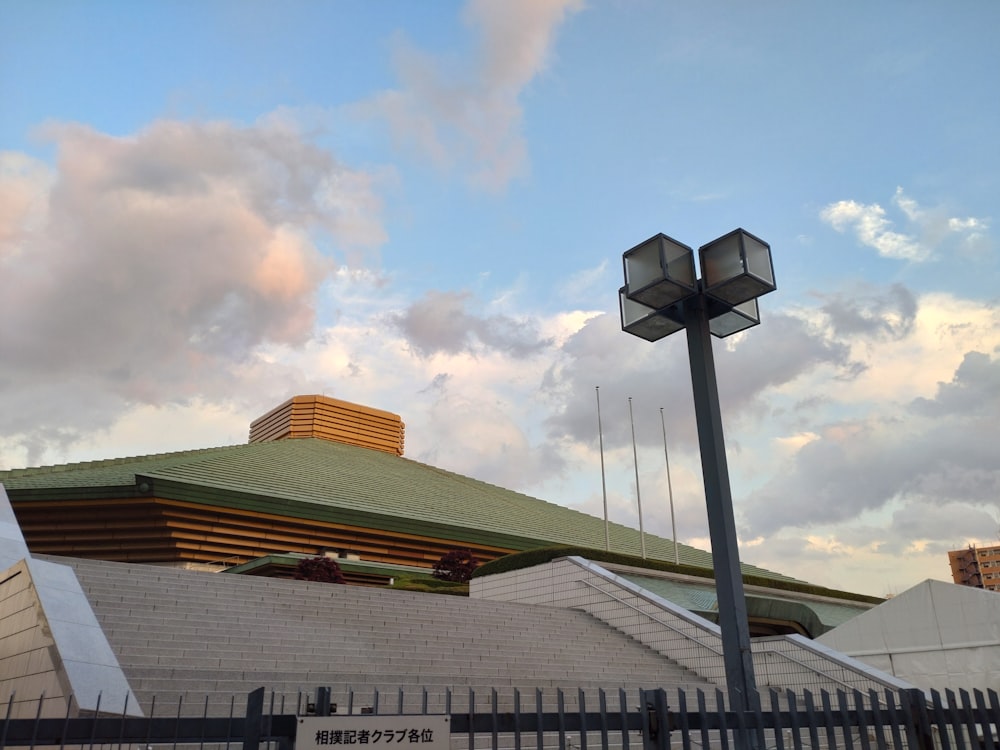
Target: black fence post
(253, 719)
(323, 701)
(655, 722)
(916, 713)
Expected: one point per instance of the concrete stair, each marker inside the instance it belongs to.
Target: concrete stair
(191, 636)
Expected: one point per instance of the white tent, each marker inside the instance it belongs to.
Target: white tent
(936, 635)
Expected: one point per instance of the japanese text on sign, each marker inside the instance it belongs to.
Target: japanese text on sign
(375, 732)
(374, 736)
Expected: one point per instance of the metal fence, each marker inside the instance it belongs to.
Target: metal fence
(554, 720)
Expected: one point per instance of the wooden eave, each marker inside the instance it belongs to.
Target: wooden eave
(202, 494)
(157, 529)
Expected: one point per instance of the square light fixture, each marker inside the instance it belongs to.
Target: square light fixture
(736, 268)
(645, 322)
(659, 272)
(725, 320)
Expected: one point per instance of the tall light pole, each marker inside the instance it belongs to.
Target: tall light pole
(663, 295)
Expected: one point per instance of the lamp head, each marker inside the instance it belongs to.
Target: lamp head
(725, 320)
(646, 322)
(736, 268)
(659, 272)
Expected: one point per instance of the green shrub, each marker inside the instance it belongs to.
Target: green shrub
(458, 565)
(322, 569)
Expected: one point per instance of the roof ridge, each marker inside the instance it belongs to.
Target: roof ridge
(120, 461)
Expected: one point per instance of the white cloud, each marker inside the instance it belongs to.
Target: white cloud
(873, 229)
(791, 444)
(899, 361)
(908, 206)
(912, 427)
(968, 223)
(441, 322)
(24, 186)
(930, 229)
(466, 114)
(150, 269)
(586, 284)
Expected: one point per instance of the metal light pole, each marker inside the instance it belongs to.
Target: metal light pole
(662, 295)
(733, 620)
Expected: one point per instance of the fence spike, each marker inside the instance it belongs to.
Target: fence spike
(538, 715)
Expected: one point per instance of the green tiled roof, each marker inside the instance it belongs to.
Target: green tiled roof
(323, 480)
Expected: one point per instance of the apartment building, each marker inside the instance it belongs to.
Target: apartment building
(976, 566)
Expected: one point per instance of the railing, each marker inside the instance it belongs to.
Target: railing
(778, 647)
(575, 720)
(715, 649)
(763, 654)
(685, 641)
(250, 728)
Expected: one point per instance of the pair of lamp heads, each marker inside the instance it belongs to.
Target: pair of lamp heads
(660, 278)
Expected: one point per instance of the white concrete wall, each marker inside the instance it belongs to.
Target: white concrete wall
(50, 641)
(52, 646)
(28, 658)
(12, 545)
(787, 662)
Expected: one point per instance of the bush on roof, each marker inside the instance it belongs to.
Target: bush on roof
(321, 569)
(458, 565)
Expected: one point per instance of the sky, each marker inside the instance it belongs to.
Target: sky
(209, 207)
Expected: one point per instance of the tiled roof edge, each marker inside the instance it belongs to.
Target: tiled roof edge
(104, 462)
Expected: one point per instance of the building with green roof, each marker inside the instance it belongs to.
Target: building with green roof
(319, 476)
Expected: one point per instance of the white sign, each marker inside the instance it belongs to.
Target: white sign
(373, 732)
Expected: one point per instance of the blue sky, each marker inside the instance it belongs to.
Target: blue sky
(206, 208)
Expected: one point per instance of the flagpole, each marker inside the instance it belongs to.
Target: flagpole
(670, 489)
(638, 497)
(604, 484)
